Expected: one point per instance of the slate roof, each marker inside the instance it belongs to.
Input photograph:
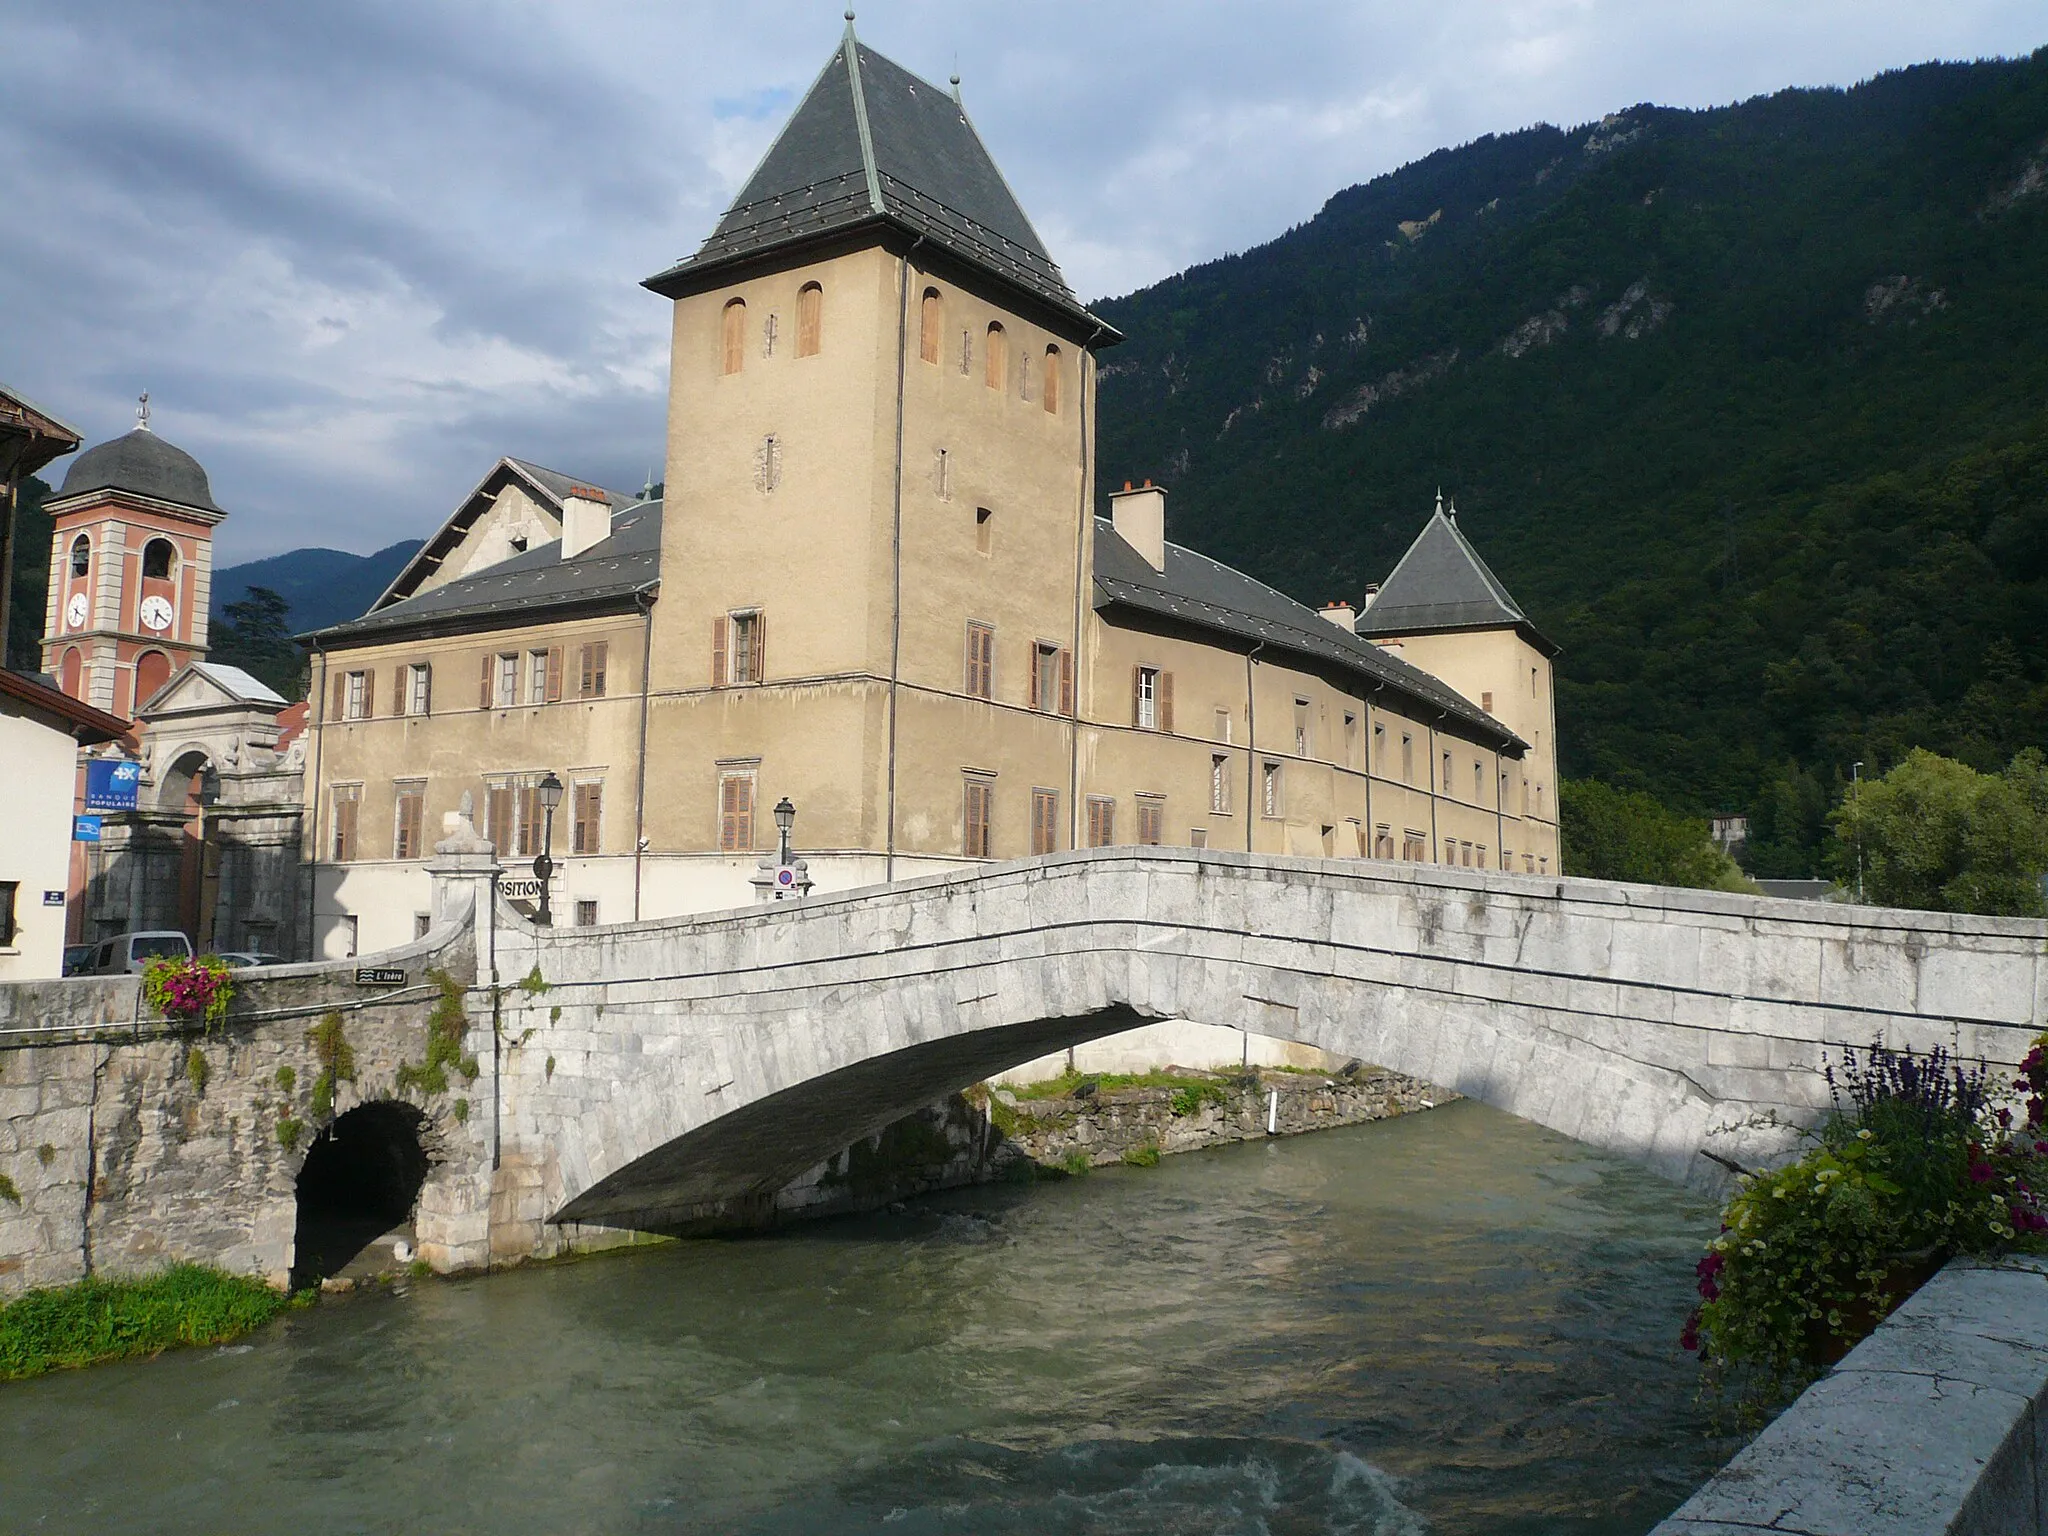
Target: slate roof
(1440, 584)
(145, 464)
(524, 588)
(1197, 590)
(30, 436)
(871, 143)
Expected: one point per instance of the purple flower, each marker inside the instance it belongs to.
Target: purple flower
(1982, 1172)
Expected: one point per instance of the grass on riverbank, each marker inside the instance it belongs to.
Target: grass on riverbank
(97, 1320)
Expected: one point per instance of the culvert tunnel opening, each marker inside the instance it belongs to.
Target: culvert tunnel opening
(360, 1183)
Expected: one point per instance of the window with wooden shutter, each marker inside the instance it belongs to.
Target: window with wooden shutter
(733, 339)
(748, 631)
(347, 802)
(1166, 702)
(977, 813)
(340, 696)
(508, 680)
(810, 319)
(1101, 821)
(398, 696)
(1040, 659)
(368, 706)
(1066, 682)
(1052, 381)
(498, 817)
(736, 810)
(981, 661)
(594, 657)
(1144, 697)
(996, 366)
(931, 322)
(719, 676)
(423, 688)
(1045, 821)
(485, 684)
(530, 815)
(588, 807)
(554, 674)
(1151, 820)
(408, 814)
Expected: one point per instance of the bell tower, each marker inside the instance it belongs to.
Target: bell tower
(131, 569)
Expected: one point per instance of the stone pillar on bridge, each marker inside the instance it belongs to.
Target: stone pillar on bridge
(464, 871)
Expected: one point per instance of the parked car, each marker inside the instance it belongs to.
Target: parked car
(241, 958)
(78, 959)
(128, 953)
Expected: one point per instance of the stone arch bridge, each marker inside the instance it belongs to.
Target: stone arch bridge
(654, 1075)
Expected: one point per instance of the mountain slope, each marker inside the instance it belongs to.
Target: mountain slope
(1749, 407)
(319, 586)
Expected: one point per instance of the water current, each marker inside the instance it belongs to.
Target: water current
(1453, 1323)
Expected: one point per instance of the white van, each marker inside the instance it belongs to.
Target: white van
(128, 953)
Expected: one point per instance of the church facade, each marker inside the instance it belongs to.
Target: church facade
(875, 582)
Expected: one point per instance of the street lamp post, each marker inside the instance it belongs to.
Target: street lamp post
(785, 818)
(550, 790)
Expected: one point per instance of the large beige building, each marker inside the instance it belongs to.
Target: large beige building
(875, 583)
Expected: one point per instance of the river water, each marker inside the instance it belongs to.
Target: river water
(1453, 1322)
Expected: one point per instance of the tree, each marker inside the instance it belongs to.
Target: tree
(1623, 834)
(1937, 835)
(254, 633)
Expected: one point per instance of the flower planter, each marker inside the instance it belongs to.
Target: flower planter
(1825, 1348)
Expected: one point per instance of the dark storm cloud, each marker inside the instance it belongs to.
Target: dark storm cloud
(358, 251)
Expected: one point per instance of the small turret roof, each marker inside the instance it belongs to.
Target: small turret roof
(142, 463)
(871, 143)
(1442, 584)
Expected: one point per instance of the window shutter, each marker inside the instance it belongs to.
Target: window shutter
(369, 694)
(601, 651)
(554, 674)
(583, 673)
(399, 702)
(1037, 661)
(1164, 708)
(340, 695)
(760, 649)
(1137, 695)
(426, 688)
(718, 679)
(483, 696)
(1066, 682)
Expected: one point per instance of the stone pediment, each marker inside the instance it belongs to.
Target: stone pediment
(205, 686)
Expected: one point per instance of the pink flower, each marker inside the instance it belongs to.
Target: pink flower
(1982, 1172)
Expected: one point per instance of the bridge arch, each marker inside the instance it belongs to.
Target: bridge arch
(361, 1177)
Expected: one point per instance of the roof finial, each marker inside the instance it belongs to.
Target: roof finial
(849, 19)
(1439, 501)
(142, 412)
(1454, 511)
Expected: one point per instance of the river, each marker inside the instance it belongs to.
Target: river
(1453, 1322)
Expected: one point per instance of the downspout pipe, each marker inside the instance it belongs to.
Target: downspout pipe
(644, 599)
(896, 544)
(1251, 746)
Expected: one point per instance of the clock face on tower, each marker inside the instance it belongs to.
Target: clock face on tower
(156, 613)
(74, 611)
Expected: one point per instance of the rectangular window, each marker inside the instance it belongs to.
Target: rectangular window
(1447, 773)
(1407, 758)
(978, 810)
(981, 661)
(422, 925)
(1532, 682)
(537, 677)
(1301, 732)
(1379, 749)
(1383, 842)
(508, 681)
(10, 924)
(587, 812)
(1045, 821)
(356, 700)
(1486, 702)
(1479, 783)
(1052, 679)
(747, 634)
(498, 815)
(1414, 846)
(1479, 857)
(1101, 821)
(1465, 854)
(1223, 725)
(531, 817)
(347, 801)
(408, 818)
(1198, 837)
(1151, 820)
(1350, 739)
(984, 530)
(1269, 790)
(1219, 784)
(586, 913)
(591, 669)
(419, 691)
(1145, 698)
(736, 810)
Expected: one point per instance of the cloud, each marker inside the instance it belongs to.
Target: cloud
(358, 251)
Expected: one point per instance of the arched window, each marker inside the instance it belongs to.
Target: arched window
(152, 671)
(734, 349)
(998, 356)
(810, 319)
(159, 556)
(71, 672)
(81, 555)
(1052, 381)
(931, 321)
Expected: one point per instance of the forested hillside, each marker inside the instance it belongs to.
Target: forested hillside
(1749, 407)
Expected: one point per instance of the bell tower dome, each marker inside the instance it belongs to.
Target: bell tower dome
(131, 569)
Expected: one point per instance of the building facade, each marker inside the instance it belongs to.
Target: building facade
(875, 582)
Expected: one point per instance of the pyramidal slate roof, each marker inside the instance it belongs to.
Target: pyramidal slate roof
(1440, 584)
(871, 143)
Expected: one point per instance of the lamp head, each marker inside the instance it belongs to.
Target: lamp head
(785, 814)
(550, 791)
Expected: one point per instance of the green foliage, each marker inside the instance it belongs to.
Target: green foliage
(255, 634)
(1076, 1164)
(1796, 522)
(1936, 834)
(196, 1069)
(195, 991)
(551, 1069)
(1623, 834)
(98, 1320)
(533, 984)
(460, 1110)
(446, 1026)
(46, 1154)
(1190, 1099)
(289, 1130)
(287, 1079)
(555, 1014)
(8, 1192)
(337, 1063)
(1145, 1155)
(1064, 1085)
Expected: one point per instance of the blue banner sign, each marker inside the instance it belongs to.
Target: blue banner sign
(110, 783)
(85, 829)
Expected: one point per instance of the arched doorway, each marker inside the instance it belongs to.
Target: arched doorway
(361, 1179)
(191, 785)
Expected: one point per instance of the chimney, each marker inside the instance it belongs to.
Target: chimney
(586, 520)
(1343, 615)
(1372, 595)
(1139, 517)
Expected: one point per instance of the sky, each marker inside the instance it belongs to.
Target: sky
(358, 251)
